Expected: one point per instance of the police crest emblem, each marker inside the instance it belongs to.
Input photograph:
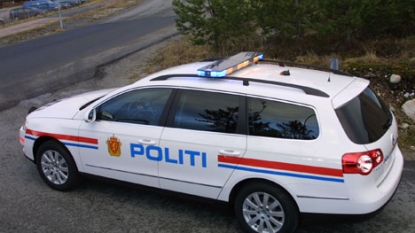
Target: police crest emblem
(114, 146)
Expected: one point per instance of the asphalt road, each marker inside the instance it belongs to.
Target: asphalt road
(46, 64)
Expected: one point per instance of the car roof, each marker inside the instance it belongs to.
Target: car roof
(30, 3)
(265, 78)
(21, 8)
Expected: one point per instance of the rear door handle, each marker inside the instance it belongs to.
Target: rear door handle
(226, 152)
(147, 142)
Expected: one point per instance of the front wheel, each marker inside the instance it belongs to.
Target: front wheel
(266, 208)
(56, 166)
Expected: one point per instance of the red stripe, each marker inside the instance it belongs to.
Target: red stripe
(281, 166)
(63, 137)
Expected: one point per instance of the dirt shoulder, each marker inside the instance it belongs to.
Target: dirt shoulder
(12, 28)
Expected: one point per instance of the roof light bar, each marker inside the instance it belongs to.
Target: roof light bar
(220, 69)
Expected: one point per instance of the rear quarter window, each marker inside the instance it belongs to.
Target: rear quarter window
(365, 118)
(276, 119)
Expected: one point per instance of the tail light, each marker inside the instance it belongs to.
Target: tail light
(362, 162)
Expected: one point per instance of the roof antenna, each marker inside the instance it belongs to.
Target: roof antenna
(334, 65)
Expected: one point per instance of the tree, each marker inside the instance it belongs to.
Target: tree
(340, 20)
(280, 20)
(219, 23)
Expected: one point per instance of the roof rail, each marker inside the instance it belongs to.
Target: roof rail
(320, 68)
(245, 82)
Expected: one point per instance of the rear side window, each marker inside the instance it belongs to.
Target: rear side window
(207, 111)
(281, 120)
(365, 118)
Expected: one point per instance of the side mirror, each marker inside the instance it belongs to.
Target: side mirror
(90, 116)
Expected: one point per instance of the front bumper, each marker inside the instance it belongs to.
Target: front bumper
(22, 140)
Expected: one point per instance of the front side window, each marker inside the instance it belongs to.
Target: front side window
(207, 111)
(139, 106)
(276, 119)
(365, 118)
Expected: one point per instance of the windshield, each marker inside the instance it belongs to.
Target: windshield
(365, 118)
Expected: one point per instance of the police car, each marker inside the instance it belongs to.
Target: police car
(271, 138)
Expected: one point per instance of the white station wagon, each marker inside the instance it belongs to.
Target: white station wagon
(272, 140)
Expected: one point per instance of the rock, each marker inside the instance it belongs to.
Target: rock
(409, 108)
(412, 147)
(404, 126)
(412, 128)
(395, 78)
(409, 95)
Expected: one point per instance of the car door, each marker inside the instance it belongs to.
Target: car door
(203, 127)
(124, 125)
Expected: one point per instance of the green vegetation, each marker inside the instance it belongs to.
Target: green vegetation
(336, 24)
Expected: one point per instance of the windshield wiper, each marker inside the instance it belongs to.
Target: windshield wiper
(88, 103)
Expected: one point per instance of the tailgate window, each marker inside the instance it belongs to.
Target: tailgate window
(365, 118)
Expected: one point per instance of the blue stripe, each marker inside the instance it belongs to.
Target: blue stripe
(31, 138)
(281, 173)
(80, 145)
(69, 144)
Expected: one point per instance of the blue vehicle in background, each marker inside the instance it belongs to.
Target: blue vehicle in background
(43, 6)
(23, 13)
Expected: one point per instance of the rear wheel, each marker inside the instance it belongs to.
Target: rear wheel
(56, 166)
(266, 208)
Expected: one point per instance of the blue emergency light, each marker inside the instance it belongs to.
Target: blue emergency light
(221, 68)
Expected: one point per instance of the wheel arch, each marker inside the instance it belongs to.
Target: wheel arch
(246, 182)
(69, 176)
(44, 139)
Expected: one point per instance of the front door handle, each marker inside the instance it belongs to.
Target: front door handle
(226, 152)
(147, 142)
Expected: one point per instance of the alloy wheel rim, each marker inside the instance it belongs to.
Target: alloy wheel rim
(54, 167)
(263, 213)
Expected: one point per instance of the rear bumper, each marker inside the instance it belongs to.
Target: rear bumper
(362, 198)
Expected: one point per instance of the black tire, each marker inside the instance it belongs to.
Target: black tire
(56, 166)
(280, 210)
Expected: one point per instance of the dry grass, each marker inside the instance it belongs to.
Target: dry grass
(109, 9)
(369, 57)
(178, 52)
